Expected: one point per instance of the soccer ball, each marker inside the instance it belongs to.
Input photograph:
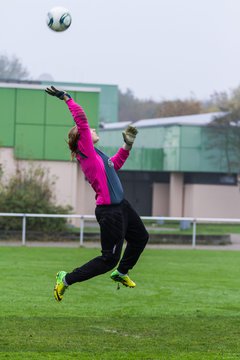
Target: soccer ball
(59, 19)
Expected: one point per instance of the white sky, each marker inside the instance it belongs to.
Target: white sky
(160, 49)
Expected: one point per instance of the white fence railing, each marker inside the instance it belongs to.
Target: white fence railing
(83, 218)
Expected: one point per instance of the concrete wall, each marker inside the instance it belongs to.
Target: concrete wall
(176, 194)
(214, 201)
(217, 201)
(160, 200)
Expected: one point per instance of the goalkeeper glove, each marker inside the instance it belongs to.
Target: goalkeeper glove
(129, 135)
(58, 93)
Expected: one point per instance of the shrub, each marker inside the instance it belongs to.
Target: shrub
(31, 191)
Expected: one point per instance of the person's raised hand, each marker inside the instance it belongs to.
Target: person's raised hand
(129, 135)
(60, 94)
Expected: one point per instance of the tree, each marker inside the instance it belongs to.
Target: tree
(218, 101)
(133, 109)
(225, 132)
(179, 107)
(12, 69)
(230, 106)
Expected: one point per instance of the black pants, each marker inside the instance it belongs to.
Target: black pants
(117, 222)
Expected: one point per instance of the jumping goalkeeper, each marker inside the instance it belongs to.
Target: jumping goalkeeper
(116, 217)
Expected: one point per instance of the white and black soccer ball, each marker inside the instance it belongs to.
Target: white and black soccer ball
(59, 19)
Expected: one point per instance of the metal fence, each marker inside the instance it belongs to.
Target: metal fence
(83, 218)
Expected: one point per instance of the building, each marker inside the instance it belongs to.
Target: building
(179, 166)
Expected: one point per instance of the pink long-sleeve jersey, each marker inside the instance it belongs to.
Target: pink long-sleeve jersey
(98, 168)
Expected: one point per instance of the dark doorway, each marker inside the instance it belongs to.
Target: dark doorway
(137, 187)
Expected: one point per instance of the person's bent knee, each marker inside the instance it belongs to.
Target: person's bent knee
(144, 239)
(110, 261)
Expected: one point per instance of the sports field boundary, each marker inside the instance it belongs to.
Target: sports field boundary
(82, 218)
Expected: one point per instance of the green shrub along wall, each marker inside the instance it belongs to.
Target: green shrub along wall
(36, 125)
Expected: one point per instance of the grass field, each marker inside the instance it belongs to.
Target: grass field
(186, 306)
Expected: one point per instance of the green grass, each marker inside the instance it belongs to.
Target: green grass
(173, 227)
(185, 306)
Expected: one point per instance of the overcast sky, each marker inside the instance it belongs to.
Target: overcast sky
(160, 49)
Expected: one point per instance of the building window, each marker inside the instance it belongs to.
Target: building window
(210, 178)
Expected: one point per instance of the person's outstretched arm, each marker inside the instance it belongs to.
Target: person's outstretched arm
(85, 143)
(129, 136)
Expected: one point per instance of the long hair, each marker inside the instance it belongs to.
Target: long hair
(73, 137)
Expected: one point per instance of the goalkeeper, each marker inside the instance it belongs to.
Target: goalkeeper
(116, 217)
